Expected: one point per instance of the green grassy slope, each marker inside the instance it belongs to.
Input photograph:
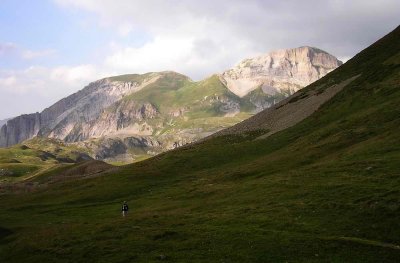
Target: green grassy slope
(39, 155)
(324, 190)
(131, 77)
(173, 91)
(200, 100)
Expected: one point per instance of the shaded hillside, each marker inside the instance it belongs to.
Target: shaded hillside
(323, 190)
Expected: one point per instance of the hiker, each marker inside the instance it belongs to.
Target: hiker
(125, 209)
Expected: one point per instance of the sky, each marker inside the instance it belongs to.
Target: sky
(50, 49)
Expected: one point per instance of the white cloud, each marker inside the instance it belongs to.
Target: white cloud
(15, 51)
(7, 47)
(156, 55)
(73, 75)
(187, 37)
(201, 37)
(53, 83)
(194, 57)
(32, 54)
(8, 82)
(34, 88)
(184, 37)
(344, 59)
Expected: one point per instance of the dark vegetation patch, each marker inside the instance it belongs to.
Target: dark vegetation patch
(44, 156)
(4, 234)
(303, 95)
(11, 161)
(166, 235)
(240, 138)
(65, 160)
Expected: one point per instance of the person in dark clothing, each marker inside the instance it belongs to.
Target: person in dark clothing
(124, 209)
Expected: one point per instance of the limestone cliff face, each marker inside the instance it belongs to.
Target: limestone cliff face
(121, 118)
(281, 71)
(2, 122)
(19, 129)
(68, 118)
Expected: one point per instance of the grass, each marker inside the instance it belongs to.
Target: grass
(131, 77)
(324, 190)
(21, 162)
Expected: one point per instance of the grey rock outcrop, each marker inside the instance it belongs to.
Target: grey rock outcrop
(19, 129)
(281, 71)
(69, 118)
(2, 122)
(141, 142)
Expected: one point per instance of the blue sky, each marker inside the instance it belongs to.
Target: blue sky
(52, 48)
(42, 25)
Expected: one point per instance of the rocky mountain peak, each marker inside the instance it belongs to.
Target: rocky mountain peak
(285, 70)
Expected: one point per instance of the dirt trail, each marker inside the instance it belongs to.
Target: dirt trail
(365, 242)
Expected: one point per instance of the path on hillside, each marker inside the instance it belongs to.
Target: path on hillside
(365, 242)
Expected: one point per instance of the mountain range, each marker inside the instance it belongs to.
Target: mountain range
(128, 117)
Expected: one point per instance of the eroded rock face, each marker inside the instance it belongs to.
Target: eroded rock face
(141, 142)
(2, 122)
(109, 148)
(283, 71)
(73, 118)
(116, 148)
(19, 129)
(126, 118)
